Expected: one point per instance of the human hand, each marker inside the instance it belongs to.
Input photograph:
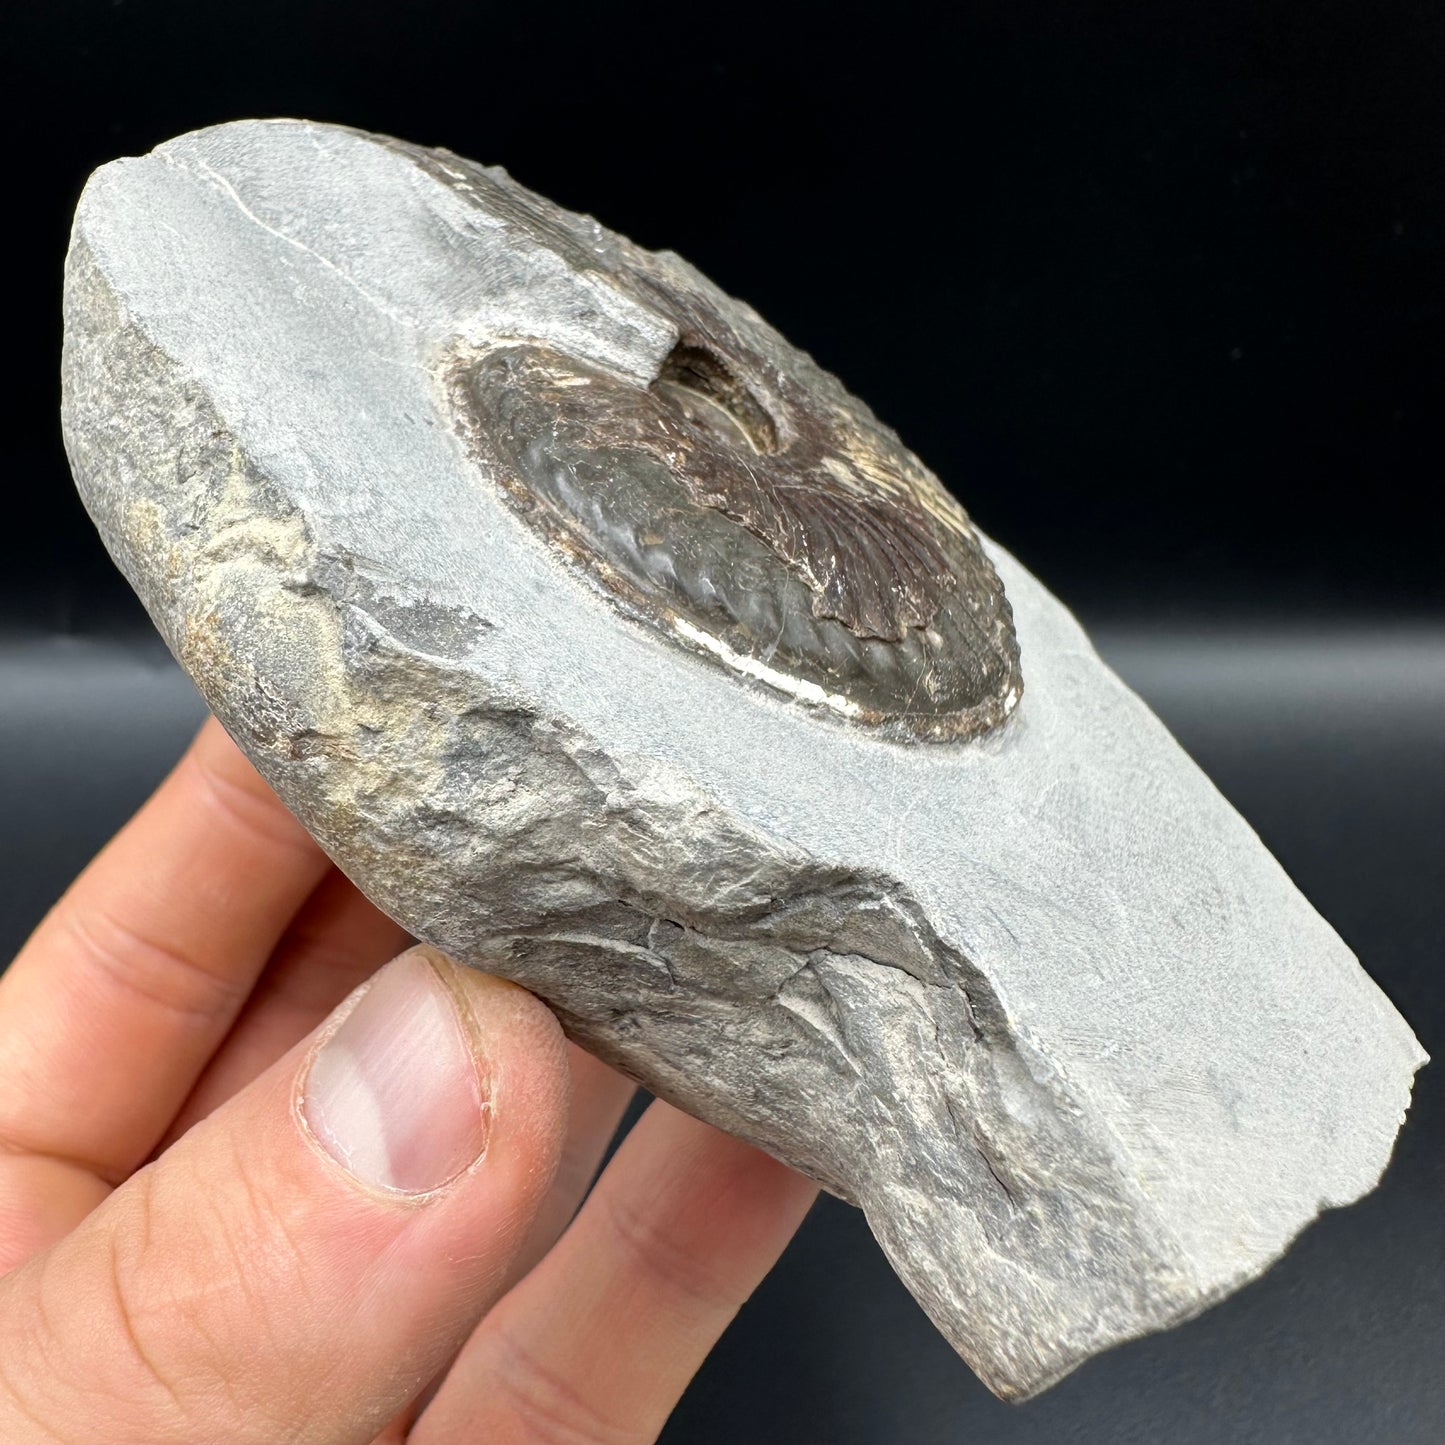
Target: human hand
(247, 1196)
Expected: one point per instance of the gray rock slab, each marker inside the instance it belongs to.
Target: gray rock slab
(1038, 1001)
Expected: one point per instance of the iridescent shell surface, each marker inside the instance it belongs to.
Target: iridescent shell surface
(740, 499)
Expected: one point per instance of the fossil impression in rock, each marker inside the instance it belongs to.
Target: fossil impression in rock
(610, 645)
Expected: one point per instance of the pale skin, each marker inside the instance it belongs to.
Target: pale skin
(235, 1207)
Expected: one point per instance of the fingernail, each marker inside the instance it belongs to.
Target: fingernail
(395, 1095)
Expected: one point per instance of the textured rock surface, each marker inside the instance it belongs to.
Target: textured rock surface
(1039, 1001)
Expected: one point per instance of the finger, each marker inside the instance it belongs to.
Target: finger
(599, 1341)
(600, 1097)
(118, 999)
(305, 1258)
(336, 942)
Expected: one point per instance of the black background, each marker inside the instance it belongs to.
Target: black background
(1156, 288)
(1159, 290)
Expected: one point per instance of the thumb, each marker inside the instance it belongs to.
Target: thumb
(301, 1263)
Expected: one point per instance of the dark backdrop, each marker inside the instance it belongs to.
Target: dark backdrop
(1156, 288)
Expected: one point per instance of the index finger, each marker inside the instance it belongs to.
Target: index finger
(120, 996)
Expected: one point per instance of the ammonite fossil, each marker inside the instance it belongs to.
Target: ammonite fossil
(740, 499)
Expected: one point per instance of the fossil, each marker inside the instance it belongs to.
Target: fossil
(610, 645)
(755, 511)
(826, 564)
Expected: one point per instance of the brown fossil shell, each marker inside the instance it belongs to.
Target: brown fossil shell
(740, 499)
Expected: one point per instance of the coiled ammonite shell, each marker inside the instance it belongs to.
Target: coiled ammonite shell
(739, 499)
